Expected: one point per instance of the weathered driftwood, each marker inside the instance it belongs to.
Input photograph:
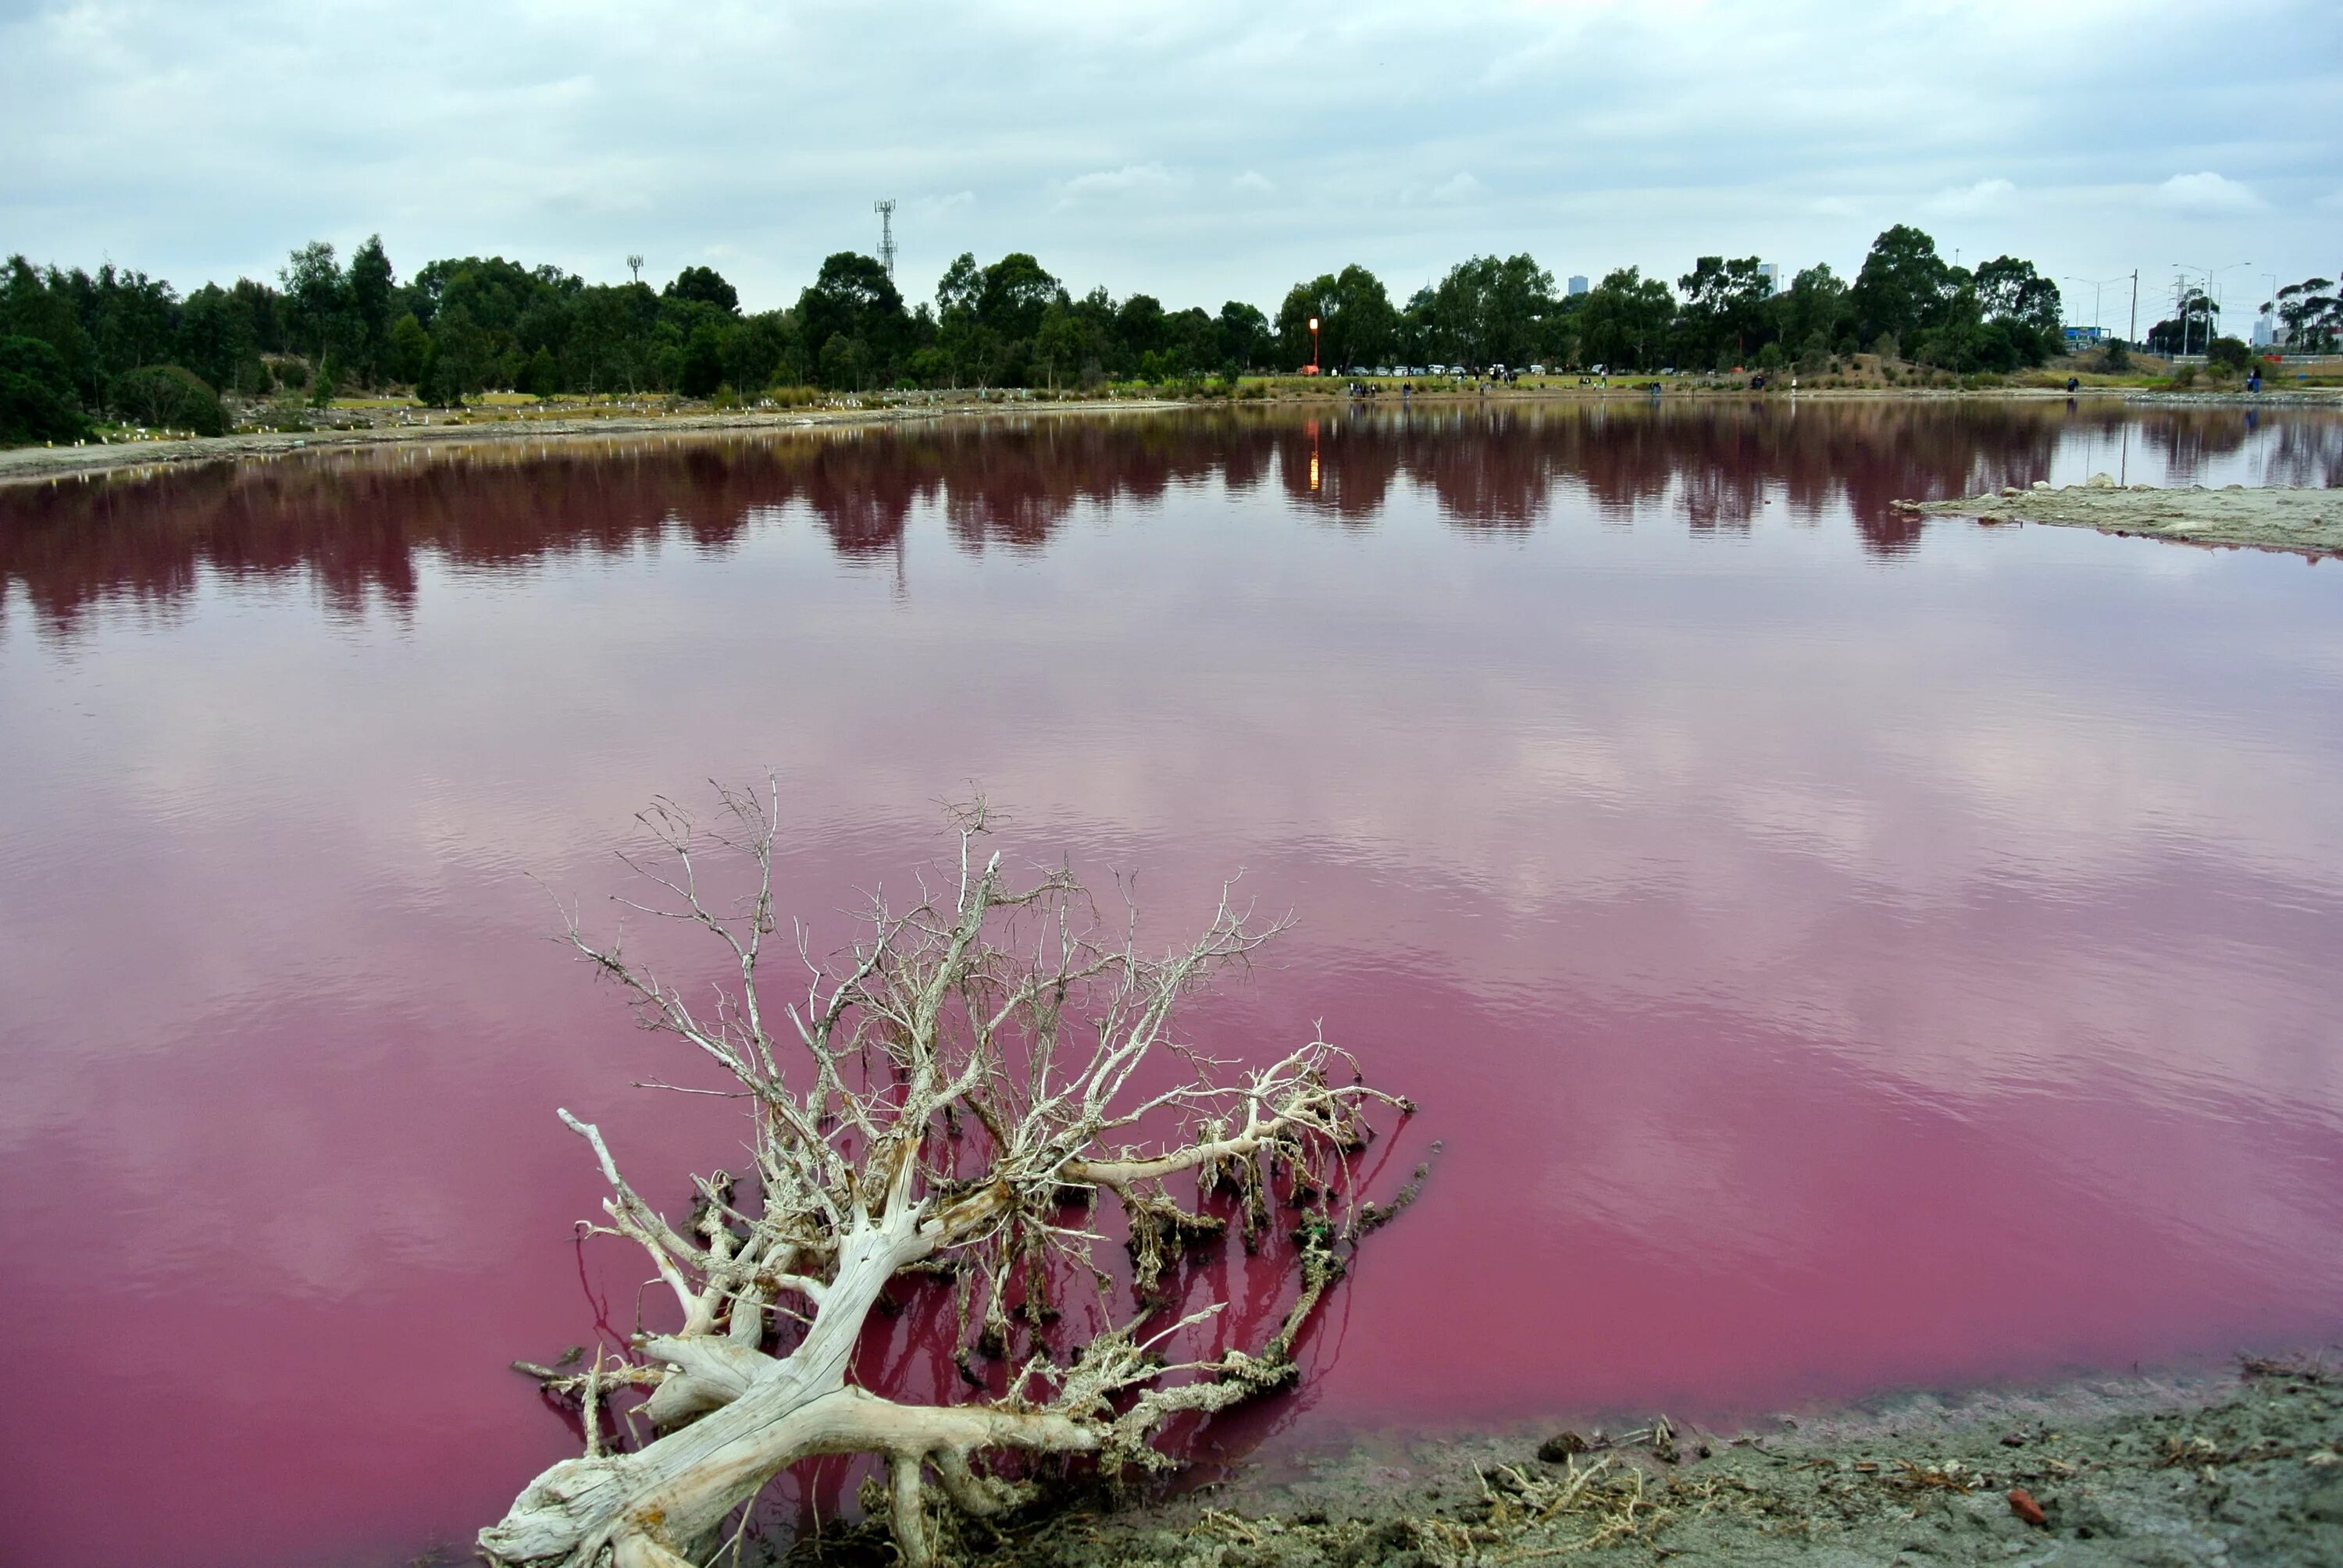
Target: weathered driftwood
(968, 1070)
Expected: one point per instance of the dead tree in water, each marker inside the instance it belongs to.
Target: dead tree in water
(960, 1084)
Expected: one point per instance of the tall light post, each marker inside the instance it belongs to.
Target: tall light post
(2216, 285)
(1313, 346)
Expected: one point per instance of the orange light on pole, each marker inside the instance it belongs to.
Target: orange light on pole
(1313, 347)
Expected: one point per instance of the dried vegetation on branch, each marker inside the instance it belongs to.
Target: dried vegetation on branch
(949, 1099)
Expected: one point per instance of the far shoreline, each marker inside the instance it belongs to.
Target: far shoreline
(36, 464)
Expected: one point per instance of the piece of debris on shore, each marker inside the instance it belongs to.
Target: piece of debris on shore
(2309, 521)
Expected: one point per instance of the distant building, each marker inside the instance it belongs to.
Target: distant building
(2265, 330)
(1771, 274)
(1578, 285)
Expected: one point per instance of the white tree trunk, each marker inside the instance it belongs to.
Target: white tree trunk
(649, 1507)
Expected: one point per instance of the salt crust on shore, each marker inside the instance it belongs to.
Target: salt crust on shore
(2308, 520)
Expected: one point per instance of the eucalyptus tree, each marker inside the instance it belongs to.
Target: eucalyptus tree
(1903, 286)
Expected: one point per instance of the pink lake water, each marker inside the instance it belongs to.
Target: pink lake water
(1839, 953)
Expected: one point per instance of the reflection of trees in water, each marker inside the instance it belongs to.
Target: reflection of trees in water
(2299, 446)
(354, 523)
(2303, 450)
(2189, 438)
(1714, 464)
(1335, 466)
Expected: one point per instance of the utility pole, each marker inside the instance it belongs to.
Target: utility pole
(2219, 292)
(886, 211)
(2135, 309)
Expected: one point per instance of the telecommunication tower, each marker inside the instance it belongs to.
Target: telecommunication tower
(886, 211)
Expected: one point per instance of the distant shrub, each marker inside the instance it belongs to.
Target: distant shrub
(2229, 354)
(168, 398)
(36, 402)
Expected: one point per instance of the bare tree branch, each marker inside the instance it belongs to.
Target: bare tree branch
(978, 1067)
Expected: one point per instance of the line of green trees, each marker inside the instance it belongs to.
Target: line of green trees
(117, 344)
(1906, 301)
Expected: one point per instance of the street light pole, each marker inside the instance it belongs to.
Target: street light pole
(2217, 286)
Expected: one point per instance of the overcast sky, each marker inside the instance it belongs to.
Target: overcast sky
(1198, 150)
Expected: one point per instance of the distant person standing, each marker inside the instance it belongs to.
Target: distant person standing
(2073, 382)
(2254, 380)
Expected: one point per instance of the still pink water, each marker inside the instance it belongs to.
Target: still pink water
(1840, 954)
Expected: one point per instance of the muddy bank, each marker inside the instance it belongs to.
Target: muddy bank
(2241, 1468)
(2307, 521)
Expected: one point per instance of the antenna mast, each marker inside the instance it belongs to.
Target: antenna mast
(886, 211)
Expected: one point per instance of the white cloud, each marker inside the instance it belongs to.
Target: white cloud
(1099, 138)
(1459, 187)
(1123, 181)
(2206, 193)
(1963, 201)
